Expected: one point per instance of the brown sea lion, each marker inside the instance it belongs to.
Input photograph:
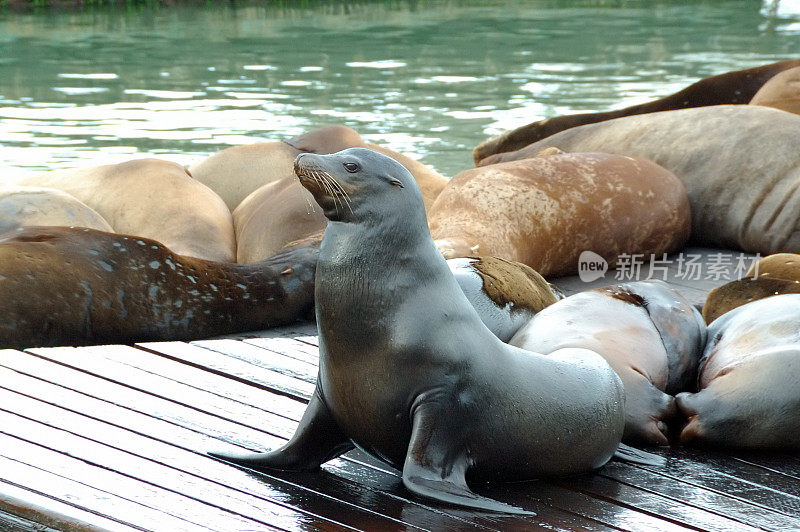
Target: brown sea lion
(24, 206)
(737, 87)
(647, 332)
(275, 214)
(545, 211)
(777, 266)
(153, 199)
(781, 92)
(234, 173)
(72, 286)
(749, 396)
(734, 294)
(409, 373)
(742, 195)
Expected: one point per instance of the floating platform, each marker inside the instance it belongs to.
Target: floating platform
(114, 438)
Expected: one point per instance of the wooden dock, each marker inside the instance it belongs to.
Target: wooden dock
(114, 438)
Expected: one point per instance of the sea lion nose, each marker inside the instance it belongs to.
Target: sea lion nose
(297, 163)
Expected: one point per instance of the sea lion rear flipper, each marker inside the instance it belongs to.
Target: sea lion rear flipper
(626, 453)
(435, 468)
(318, 439)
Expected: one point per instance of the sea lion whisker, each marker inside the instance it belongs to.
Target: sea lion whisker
(326, 185)
(341, 189)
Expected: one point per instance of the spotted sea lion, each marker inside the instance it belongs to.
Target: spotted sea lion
(409, 373)
(647, 332)
(749, 396)
(737, 87)
(781, 92)
(545, 211)
(742, 196)
(73, 286)
(24, 206)
(154, 199)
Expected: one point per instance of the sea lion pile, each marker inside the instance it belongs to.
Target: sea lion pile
(444, 281)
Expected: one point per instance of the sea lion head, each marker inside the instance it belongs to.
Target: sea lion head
(358, 184)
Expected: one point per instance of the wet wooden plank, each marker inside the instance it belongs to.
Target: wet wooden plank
(289, 347)
(258, 356)
(719, 509)
(182, 450)
(17, 469)
(316, 487)
(232, 346)
(156, 463)
(31, 511)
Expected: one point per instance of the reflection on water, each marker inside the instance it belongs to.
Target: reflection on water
(433, 80)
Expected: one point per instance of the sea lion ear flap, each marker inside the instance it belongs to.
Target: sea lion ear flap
(436, 463)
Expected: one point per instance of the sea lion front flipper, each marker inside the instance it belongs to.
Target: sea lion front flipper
(632, 455)
(317, 439)
(436, 464)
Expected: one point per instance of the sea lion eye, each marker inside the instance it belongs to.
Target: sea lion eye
(351, 167)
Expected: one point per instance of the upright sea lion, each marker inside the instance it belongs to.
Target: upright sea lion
(505, 294)
(647, 332)
(236, 172)
(749, 396)
(740, 165)
(545, 211)
(71, 286)
(410, 374)
(737, 87)
(153, 199)
(24, 206)
(781, 92)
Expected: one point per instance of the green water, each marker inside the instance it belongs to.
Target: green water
(431, 79)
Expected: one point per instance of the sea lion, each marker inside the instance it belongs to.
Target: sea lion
(235, 173)
(729, 296)
(647, 332)
(545, 211)
(777, 266)
(742, 196)
(781, 92)
(505, 294)
(23, 206)
(737, 87)
(409, 373)
(154, 199)
(275, 214)
(73, 286)
(749, 396)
